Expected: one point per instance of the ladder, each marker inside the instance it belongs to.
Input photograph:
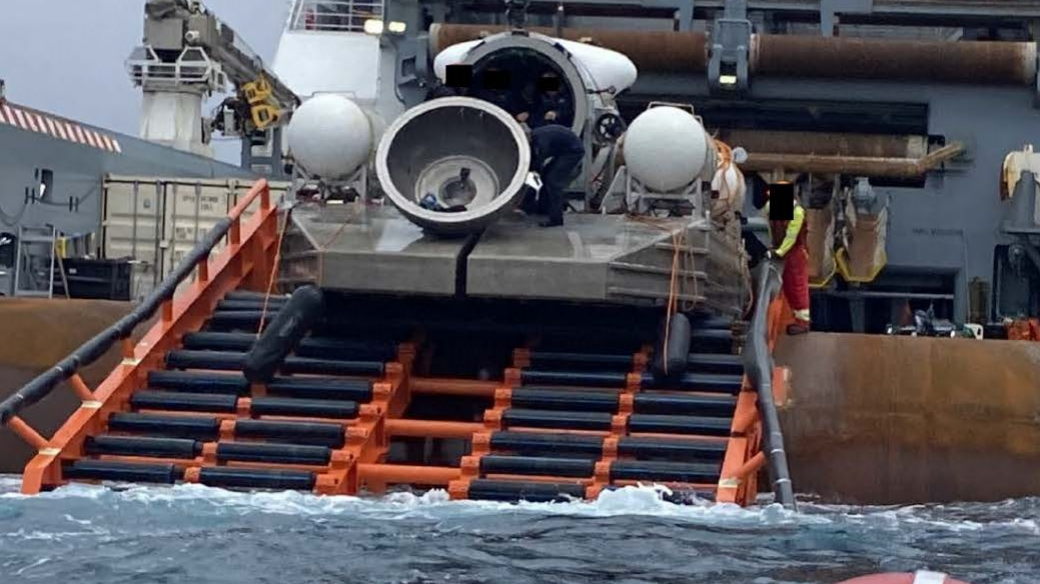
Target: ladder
(29, 274)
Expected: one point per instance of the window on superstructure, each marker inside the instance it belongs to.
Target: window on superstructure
(335, 15)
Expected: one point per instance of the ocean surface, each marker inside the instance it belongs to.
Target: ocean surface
(192, 534)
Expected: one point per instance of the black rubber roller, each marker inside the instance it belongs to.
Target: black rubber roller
(489, 490)
(538, 444)
(293, 321)
(304, 408)
(704, 382)
(250, 478)
(291, 432)
(250, 295)
(274, 302)
(195, 427)
(241, 320)
(657, 448)
(359, 390)
(209, 360)
(272, 453)
(521, 418)
(672, 349)
(562, 399)
(685, 425)
(684, 404)
(715, 363)
(197, 382)
(712, 340)
(143, 446)
(183, 402)
(310, 366)
(127, 472)
(549, 360)
(574, 378)
(665, 472)
(537, 466)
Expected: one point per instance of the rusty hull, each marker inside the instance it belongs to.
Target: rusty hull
(37, 334)
(885, 420)
(808, 56)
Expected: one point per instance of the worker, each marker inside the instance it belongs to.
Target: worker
(789, 243)
(555, 154)
(543, 103)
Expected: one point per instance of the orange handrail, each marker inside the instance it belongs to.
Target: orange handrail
(245, 261)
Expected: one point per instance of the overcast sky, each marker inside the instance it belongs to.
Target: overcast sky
(67, 56)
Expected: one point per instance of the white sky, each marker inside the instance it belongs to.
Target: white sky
(67, 56)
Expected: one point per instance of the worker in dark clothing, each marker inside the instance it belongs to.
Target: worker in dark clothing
(555, 153)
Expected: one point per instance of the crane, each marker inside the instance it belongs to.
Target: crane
(187, 55)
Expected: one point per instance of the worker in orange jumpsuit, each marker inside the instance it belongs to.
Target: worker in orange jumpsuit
(789, 243)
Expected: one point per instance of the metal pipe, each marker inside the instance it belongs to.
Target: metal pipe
(664, 51)
(833, 144)
(856, 165)
(977, 62)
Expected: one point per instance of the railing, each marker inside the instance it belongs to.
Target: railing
(334, 15)
(758, 366)
(161, 298)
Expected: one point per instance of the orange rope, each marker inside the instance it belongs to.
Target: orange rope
(274, 270)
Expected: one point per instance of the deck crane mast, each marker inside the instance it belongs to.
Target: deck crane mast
(187, 54)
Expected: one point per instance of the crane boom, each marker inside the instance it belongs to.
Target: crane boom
(187, 55)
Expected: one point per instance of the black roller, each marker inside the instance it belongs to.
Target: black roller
(684, 404)
(195, 427)
(521, 418)
(218, 341)
(209, 360)
(183, 402)
(127, 472)
(143, 446)
(704, 382)
(550, 360)
(689, 425)
(672, 349)
(537, 466)
(318, 347)
(351, 349)
(359, 390)
(715, 363)
(241, 320)
(272, 453)
(489, 490)
(574, 378)
(537, 444)
(561, 399)
(275, 302)
(249, 295)
(712, 340)
(255, 478)
(294, 365)
(322, 434)
(198, 382)
(304, 408)
(293, 321)
(689, 449)
(709, 321)
(665, 472)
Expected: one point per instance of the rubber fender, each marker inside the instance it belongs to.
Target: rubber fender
(287, 329)
(670, 357)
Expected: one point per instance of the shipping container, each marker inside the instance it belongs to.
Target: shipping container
(156, 221)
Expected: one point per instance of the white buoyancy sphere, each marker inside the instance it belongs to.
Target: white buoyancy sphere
(330, 136)
(666, 148)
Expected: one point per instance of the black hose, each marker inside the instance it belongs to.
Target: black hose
(758, 364)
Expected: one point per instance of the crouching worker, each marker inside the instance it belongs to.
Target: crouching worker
(555, 154)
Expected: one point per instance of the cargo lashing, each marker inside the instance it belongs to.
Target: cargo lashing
(560, 424)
